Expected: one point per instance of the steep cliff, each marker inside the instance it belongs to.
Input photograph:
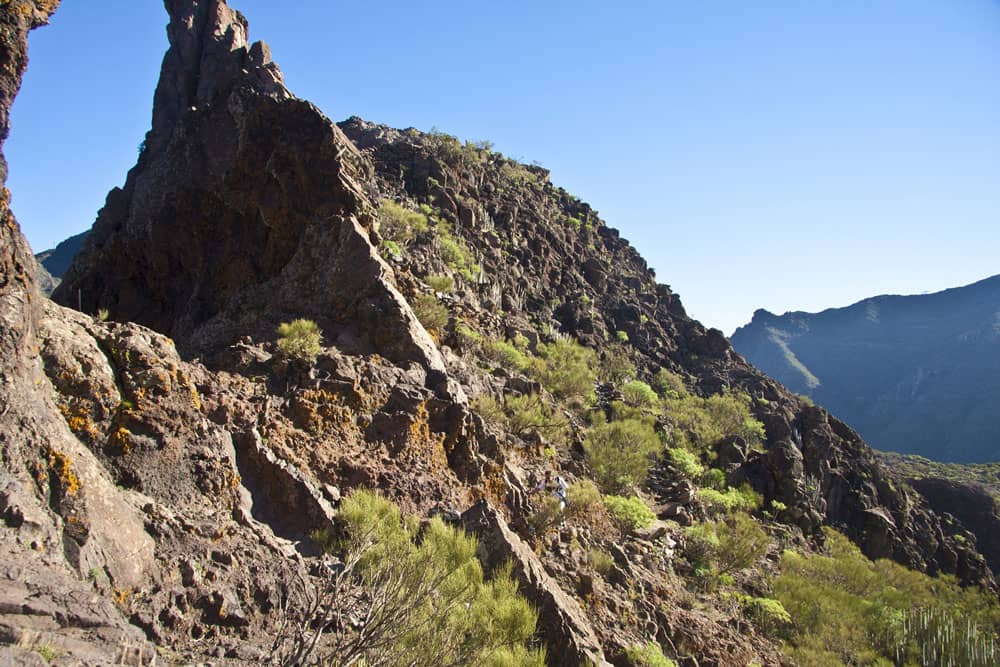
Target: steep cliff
(913, 374)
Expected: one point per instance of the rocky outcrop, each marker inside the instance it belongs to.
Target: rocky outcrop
(62, 516)
(974, 508)
(568, 635)
(188, 500)
(244, 210)
(913, 374)
(550, 263)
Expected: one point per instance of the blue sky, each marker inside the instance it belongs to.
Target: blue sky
(784, 155)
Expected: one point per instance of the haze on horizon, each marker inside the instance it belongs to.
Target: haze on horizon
(787, 156)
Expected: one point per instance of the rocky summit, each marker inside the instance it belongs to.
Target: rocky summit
(278, 315)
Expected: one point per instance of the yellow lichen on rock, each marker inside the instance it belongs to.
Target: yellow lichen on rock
(61, 469)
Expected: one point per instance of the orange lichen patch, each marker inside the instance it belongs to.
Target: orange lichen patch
(491, 487)
(184, 381)
(121, 597)
(422, 440)
(78, 418)
(61, 470)
(318, 411)
(119, 442)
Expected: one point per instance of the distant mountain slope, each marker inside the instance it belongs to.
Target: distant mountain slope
(54, 261)
(913, 374)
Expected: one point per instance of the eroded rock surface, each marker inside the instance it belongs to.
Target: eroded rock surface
(150, 499)
(245, 209)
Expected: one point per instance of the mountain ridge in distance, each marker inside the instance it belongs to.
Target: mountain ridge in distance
(914, 374)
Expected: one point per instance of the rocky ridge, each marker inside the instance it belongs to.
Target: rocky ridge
(174, 496)
(913, 374)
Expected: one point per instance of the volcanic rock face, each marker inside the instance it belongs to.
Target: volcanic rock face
(186, 500)
(913, 374)
(244, 210)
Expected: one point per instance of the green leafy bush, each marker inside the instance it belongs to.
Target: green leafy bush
(629, 514)
(399, 224)
(505, 355)
(727, 546)
(457, 255)
(468, 338)
(648, 655)
(669, 384)
(620, 453)
(768, 614)
(547, 516)
(440, 283)
(300, 339)
(849, 609)
(521, 414)
(714, 479)
(638, 394)
(432, 313)
(701, 423)
(391, 248)
(742, 542)
(616, 366)
(742, 499)
(600, 560)
(402, 600)
(565, 368)
(686, 463)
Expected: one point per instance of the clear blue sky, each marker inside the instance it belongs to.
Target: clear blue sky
(785, 155)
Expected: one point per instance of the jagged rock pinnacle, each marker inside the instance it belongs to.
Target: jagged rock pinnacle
(209, 52)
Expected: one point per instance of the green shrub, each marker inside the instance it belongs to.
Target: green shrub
(629, 514)
(548, 515)
(432, 313)
(398, 224)
(686, 463)
(522, 414)
(440, 283)
(468, 338)
(300, 339)
(582, 497)
(506, 355)
(742, 499)
(600, 560)
(731, 415)
(397, 601)
(620, 453)
(699, 424)
(648, 655)
(621, 336)
(457, 255)
(742, 542)
(668, 384)
(391, 248)
(640, 395)
(728, 546)
(714, 479)
(491, 409)
(848, 609)
(565, 368)
(616, 366)
(768, 614)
